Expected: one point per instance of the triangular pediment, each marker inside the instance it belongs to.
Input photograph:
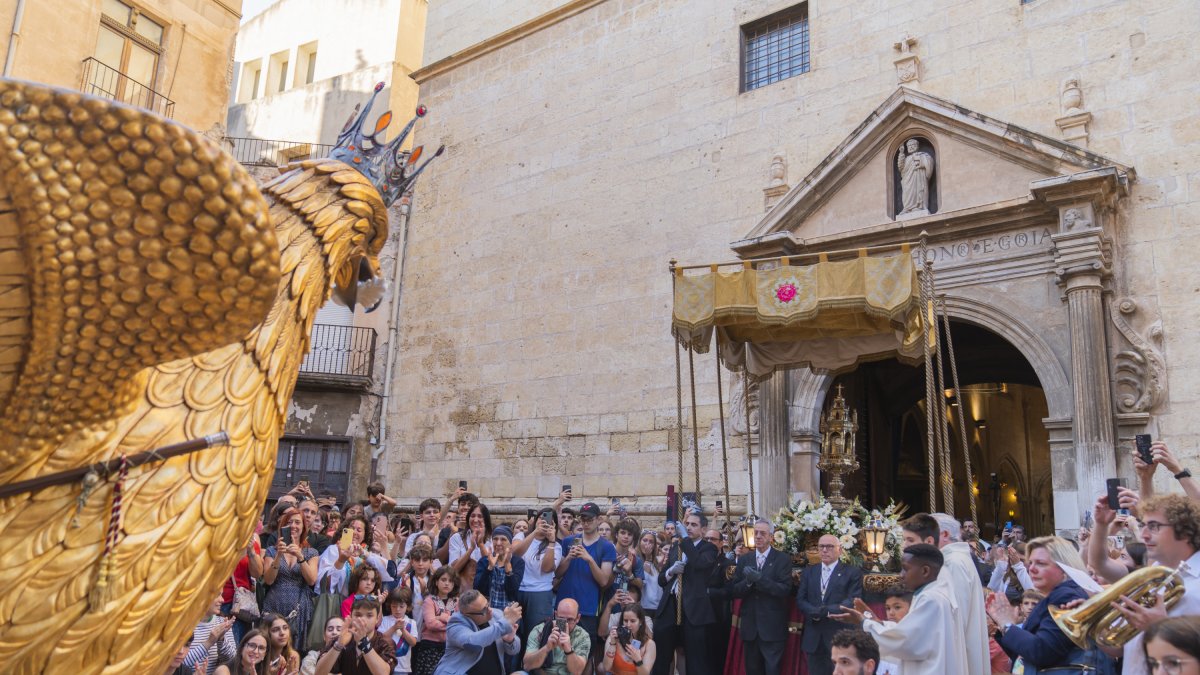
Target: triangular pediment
(980, 161)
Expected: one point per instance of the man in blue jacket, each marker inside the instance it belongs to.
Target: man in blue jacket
(478, 636)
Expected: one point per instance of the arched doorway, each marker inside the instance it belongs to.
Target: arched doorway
(1003, 405)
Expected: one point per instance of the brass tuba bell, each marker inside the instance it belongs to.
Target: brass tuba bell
(1096, 620)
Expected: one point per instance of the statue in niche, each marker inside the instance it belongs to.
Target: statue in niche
(916, 173)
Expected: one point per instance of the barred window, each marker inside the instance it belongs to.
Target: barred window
(775, 47)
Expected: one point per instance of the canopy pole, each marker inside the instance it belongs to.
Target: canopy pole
(943, 431)
(962, 424)
(724, 450)
(695, 427)
(679, 447)
(749, 446)
(930, 399)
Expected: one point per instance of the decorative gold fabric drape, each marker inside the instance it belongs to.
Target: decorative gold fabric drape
(830, 314)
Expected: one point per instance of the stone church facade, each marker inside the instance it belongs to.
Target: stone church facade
(590, 142)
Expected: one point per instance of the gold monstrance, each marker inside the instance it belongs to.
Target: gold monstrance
(838, 429)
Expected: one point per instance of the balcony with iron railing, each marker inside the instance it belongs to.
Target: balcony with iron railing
(263, 152)
(340, 357)
(108, 82)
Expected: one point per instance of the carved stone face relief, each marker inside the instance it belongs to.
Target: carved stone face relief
(1076, 218)
(915, 192)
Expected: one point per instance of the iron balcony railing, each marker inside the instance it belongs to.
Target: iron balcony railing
(102, 80)
(341, 352)
(263, 152)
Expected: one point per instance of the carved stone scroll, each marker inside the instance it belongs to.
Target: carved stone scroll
(1139, 373)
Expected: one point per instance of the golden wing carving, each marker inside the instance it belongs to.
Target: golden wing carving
(185, 520)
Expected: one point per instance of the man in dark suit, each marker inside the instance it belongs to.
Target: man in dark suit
(691, 562)
(763, 581)
(824, 589)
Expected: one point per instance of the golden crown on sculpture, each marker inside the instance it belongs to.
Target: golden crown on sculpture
(838, 430)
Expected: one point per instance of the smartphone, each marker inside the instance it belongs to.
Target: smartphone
(462, 484)
(567, 488)
(1143, 442)
(616, 501)
(1114, 495)
(624, 587)
(304, 481)
(720, 504)
(347, 539)
(636, 644)
(1008, 526)
(624, 635)
(529, 513)
(548, 516)
(285, 534)
(561, 625)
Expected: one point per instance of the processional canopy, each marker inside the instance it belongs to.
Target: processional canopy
(829, 314)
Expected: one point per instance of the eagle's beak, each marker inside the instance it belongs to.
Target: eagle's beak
(366, 288)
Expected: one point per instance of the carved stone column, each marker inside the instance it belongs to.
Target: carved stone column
(1081, 259)
(773, 443)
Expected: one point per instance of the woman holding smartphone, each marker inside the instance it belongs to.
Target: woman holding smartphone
(289, 572)
(630, 648)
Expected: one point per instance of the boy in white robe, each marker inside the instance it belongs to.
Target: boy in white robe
(927, 641)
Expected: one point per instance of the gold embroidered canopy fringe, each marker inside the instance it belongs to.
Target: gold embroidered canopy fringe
(827, 314)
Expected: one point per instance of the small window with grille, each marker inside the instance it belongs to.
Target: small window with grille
(775, 47)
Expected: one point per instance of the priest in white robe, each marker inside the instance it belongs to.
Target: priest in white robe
(960, 573)
(927, 641)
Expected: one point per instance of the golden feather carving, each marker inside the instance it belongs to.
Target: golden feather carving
(155, 295)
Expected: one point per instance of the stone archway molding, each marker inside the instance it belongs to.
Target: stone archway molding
(1050, 372)
(807, 389)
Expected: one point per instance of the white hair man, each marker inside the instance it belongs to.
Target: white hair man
(964, 582)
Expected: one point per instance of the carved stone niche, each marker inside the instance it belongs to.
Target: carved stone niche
(915, 178)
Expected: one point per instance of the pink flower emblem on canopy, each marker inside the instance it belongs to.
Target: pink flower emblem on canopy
(786, 293)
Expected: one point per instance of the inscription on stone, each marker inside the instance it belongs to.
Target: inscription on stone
(988, 246)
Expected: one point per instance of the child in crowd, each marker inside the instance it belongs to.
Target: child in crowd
(438, 607)
(1029, 600)
(333, 630)
(361, 648)
(896, 603)
(281, 658)
(364, 581)
(418, 576)
(397, 626)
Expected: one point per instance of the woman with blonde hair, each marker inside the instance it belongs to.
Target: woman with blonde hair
(1058, 571)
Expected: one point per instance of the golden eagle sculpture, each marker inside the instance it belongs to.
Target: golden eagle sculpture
(151, 294)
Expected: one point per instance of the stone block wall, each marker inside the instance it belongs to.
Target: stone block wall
(535, 345)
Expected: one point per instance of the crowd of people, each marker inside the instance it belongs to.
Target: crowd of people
(566, 591)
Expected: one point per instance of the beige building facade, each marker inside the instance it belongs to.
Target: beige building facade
(170, 56)
(301, 68)
(593, 141)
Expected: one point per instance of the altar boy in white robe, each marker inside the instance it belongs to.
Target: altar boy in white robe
(928, 640)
